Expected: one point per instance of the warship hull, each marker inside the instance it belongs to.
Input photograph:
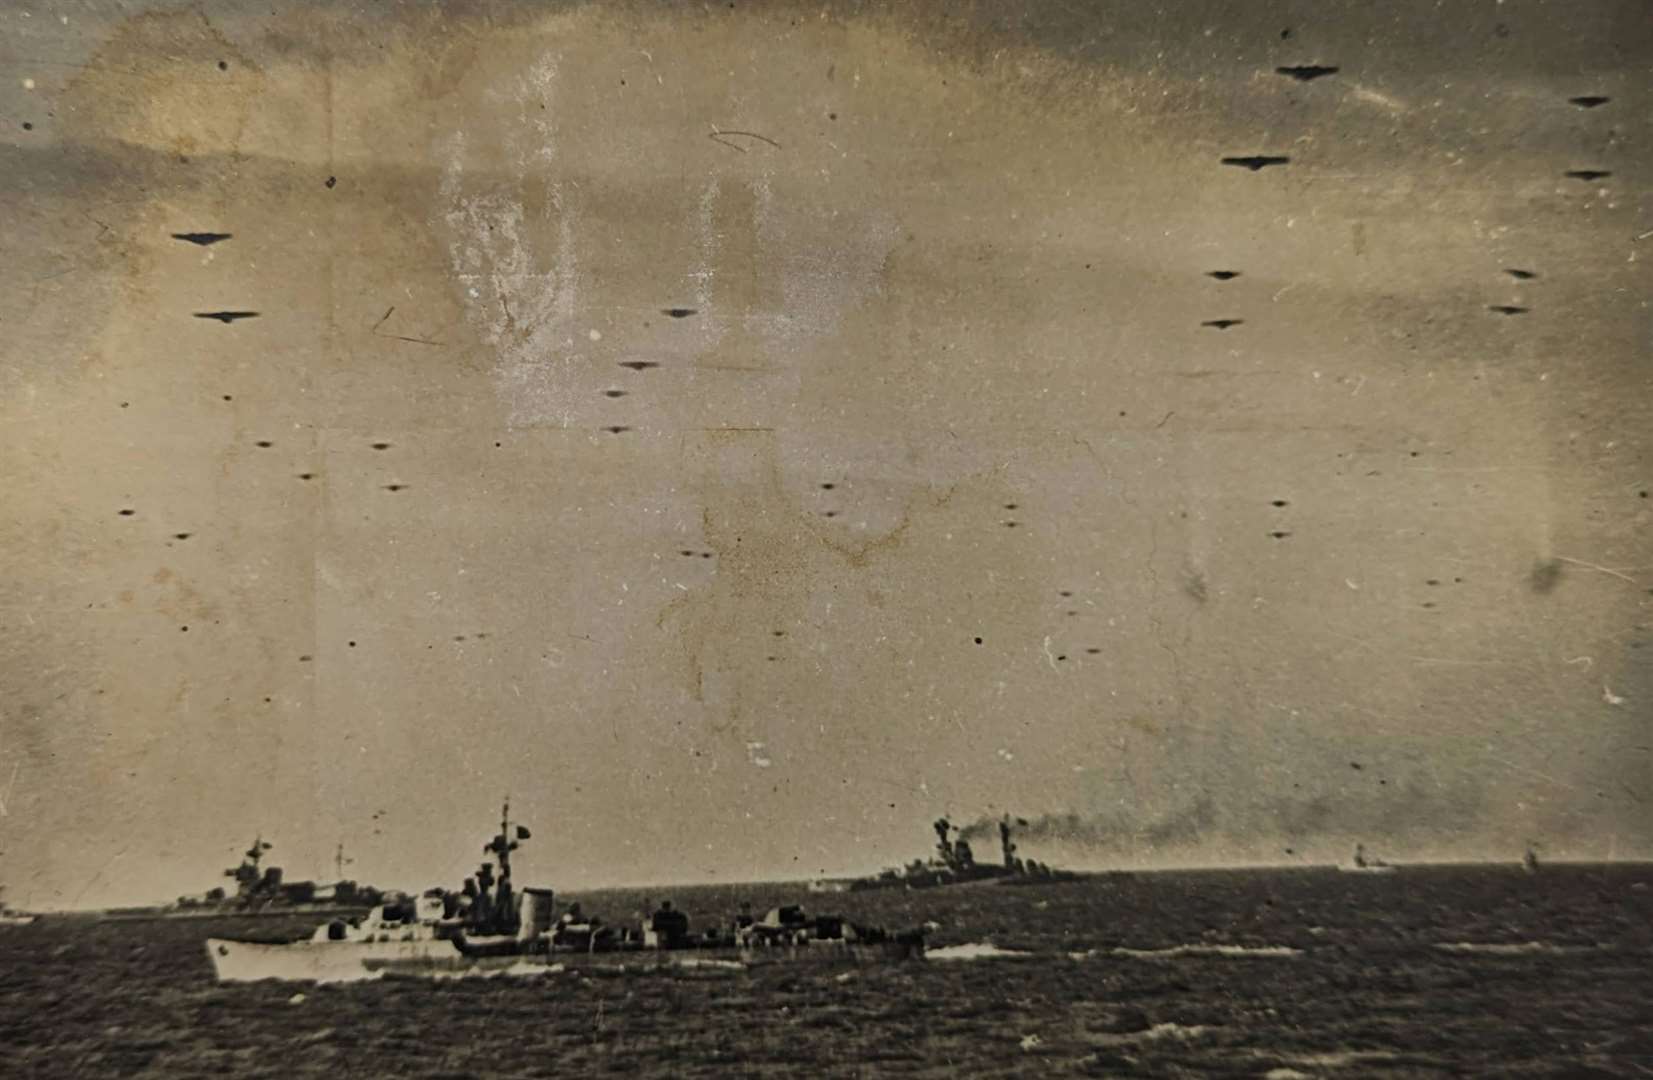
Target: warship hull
(351, 961)
(316, 961)
(729, 957)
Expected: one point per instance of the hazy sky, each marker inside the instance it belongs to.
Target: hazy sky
(743, 435)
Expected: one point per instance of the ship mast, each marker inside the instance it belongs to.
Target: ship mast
(505, 844)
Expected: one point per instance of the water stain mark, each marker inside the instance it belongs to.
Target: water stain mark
(722, 138)
(1545, 575)
(376, 332)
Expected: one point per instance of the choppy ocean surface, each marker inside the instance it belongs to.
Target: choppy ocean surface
(1444, 971)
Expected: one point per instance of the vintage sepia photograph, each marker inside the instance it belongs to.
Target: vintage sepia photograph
(937, 538)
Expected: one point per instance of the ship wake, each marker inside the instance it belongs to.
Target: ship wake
(977, 950)
(1261, 952)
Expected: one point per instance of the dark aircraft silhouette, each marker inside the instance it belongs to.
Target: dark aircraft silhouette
(1256, 161)
(1306, 72)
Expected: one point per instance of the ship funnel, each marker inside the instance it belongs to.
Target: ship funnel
(533, 914)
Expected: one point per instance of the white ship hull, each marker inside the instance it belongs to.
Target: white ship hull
(1351, 869)
(16, 920)
(317, 961)
(352, 961)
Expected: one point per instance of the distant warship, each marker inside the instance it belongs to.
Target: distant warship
(1361, 864)
(955, 864)
(8, 917)
(259, 890)
(490, 923)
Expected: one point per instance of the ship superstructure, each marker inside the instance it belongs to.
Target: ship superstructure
(260, 888)
(955, 862)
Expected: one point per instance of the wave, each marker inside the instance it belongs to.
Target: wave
(1513, 949)
(701, 962)
(1336, 1059)
(1254, 951)
(518, 970)
(1152, 1034)
(979, 950)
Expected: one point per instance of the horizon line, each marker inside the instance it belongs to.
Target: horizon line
(1190, 868)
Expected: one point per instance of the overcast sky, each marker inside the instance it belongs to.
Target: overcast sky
(743, 437)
